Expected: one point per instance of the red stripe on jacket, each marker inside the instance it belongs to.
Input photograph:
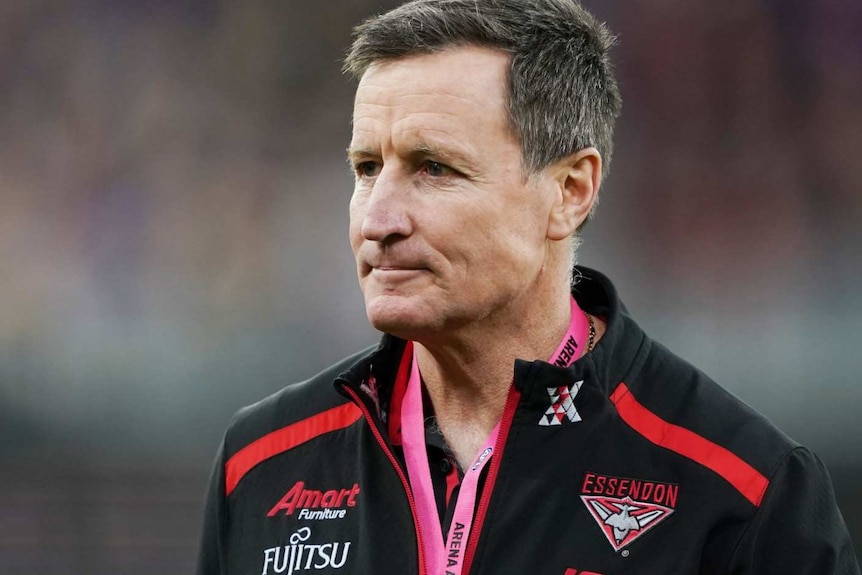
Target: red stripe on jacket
(287, 438)
(747, 480)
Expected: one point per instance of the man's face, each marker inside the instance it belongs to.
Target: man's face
(445, 228)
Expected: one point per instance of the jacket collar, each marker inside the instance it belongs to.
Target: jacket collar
(616, 356)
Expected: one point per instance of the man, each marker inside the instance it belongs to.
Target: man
(514, 419)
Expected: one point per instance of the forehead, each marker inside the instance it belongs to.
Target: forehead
(480, 61)
(459, 92)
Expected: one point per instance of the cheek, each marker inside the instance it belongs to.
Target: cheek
(519, 245)
(357, 215)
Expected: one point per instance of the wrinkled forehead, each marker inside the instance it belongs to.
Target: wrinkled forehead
(459, 91)
(468, 72)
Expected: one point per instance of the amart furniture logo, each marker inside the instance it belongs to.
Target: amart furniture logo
(315, 504)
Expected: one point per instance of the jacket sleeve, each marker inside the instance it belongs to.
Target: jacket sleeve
(211, 554)
(798, 528)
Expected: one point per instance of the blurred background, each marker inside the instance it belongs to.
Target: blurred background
(173, 215)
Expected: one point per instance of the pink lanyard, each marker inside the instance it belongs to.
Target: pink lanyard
(447, 557)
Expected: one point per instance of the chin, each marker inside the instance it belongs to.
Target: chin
(398, 316)
(399, 325)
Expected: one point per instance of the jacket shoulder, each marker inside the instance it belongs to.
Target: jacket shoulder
(707, 414)
(787, 488)
(293, 403)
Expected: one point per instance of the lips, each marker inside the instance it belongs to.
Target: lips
(390, 274)
(396, 268)
(396, 273)
(388, 263)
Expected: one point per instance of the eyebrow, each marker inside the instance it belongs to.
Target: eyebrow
(353, 153)
(451, 150)
(421, 149)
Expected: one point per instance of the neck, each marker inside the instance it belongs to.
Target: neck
(468, 374)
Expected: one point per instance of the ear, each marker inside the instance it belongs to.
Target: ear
(577, 179)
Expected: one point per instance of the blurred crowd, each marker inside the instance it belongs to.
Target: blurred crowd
(173, 201)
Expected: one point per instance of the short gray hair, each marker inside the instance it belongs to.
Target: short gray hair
(561, 92)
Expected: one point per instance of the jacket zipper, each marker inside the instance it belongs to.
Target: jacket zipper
(485, 499)
(401, 475)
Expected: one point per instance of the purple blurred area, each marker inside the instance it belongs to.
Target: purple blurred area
(173, 213)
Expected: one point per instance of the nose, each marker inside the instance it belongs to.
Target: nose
(387, 210)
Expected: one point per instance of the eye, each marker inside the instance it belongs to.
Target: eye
(437, 170)
(367, 169)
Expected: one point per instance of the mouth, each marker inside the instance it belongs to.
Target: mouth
(391, 266)
(388, 270)
(395, 274)
(395, 268)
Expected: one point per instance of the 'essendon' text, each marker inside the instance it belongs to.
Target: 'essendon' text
(636, 489)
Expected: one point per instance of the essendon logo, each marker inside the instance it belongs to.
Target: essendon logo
(646, 491)
(314, 504)
(624, 508)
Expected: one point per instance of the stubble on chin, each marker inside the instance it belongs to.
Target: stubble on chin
(399, 315)
(385, 313)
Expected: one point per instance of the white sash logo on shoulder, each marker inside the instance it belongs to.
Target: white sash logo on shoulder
(562, 405)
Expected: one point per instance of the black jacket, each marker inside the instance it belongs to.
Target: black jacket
(661, 472)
